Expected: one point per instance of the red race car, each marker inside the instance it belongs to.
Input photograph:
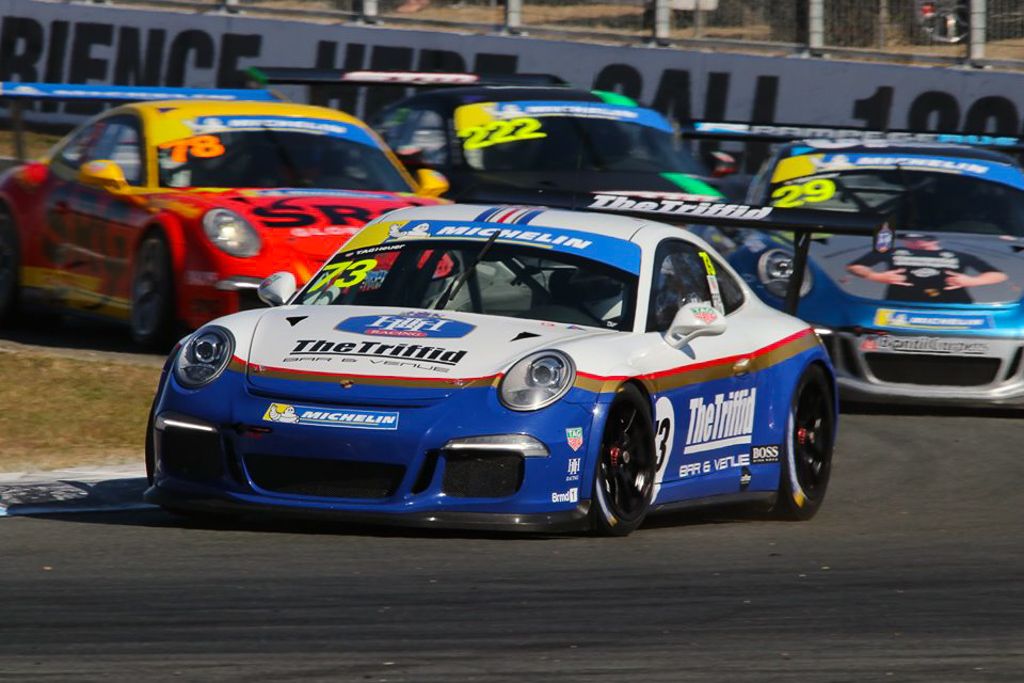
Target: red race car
(168, 213)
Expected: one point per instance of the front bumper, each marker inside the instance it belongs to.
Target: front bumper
(990, 375)
(216, 450)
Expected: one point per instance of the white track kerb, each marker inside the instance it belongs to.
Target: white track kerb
(78, 490)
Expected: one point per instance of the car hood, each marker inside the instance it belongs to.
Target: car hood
(957, 252)
(311, 222)
(373, 354)
(570, 189)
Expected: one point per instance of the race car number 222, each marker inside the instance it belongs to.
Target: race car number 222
(501, 131)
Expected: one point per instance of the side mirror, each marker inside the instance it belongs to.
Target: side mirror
(724, 164)
(431, 183)
(104, 174)
(694, 320)
(277, 288)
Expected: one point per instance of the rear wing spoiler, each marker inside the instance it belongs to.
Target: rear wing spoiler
(803, 223)
(411, 79)
(19, 94)
(753, 132)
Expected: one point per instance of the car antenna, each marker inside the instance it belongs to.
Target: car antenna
(456, 284)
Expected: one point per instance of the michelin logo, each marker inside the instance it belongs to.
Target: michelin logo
(728, 420)
(351, 419)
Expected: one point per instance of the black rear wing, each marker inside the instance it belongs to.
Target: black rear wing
(18, 94)
(411, 79)
(803, 223)
(754, 132)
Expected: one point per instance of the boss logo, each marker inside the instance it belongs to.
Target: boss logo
(762, 455)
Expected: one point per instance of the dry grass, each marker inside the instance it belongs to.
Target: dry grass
(60, 412)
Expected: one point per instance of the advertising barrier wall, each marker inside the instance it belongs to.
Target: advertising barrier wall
(43, 41)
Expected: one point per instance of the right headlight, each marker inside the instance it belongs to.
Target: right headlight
(538, 380)
(231, 233)
(203, 356)
(774, 269)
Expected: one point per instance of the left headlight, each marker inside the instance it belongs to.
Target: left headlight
(774, 268)
(231, 233)
(204, 356)
(537, 381)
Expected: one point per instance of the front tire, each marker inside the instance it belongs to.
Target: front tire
(152, 314)
(810, 439)
(626, 466)
(10, 258)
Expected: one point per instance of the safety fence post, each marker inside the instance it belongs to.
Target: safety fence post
(816, 26)
(662, 21)
(978, 36)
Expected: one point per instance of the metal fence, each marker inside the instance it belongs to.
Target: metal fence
(979, 32)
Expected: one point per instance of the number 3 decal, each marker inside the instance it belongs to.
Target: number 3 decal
(664, 435)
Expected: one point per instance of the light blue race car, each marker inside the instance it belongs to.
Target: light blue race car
(937, 318)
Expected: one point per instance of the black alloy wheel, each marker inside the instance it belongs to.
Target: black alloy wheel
(626, 466)
(152, 314)
(808, 452)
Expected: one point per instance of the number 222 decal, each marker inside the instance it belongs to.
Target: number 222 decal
(500, 132)
(791, 196)
(354, 272)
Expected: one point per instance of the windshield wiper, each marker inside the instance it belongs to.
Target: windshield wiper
(456, 284)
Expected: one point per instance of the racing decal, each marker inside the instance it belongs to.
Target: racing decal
(283, 213)
(932, 320)
(413, 324)
(199, 146)
(725, 420)
(228, 123)
(931, 345)
(664, 437)
(574, 437)
(698, 468)
(316, 193)
(765, 455)
(570, 496)
(351, 419)
(805, 165)
(483, 113)
(499, 132)
(672, 207)
(306, 348)
(696, 373)
(572, 470)
(515, 215)
(798, 194)
(619, 253)
(343, 274)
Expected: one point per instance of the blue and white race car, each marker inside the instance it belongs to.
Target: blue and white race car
(467, 366)
(938, 318)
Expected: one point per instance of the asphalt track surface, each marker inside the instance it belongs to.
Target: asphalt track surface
(913, 571)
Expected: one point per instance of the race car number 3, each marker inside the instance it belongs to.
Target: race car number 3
(200, 146)
(791, 196)
(500, 132)
(344, 273)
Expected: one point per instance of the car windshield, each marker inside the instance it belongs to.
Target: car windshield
(568, 143)
(919, 200)
(277, 158)
(509, 280)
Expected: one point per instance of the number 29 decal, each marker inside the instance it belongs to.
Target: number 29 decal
(798, 194)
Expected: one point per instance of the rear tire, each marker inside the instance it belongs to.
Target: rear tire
(807, 453)
(152, 312)
(626, 466)
(10, 258)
